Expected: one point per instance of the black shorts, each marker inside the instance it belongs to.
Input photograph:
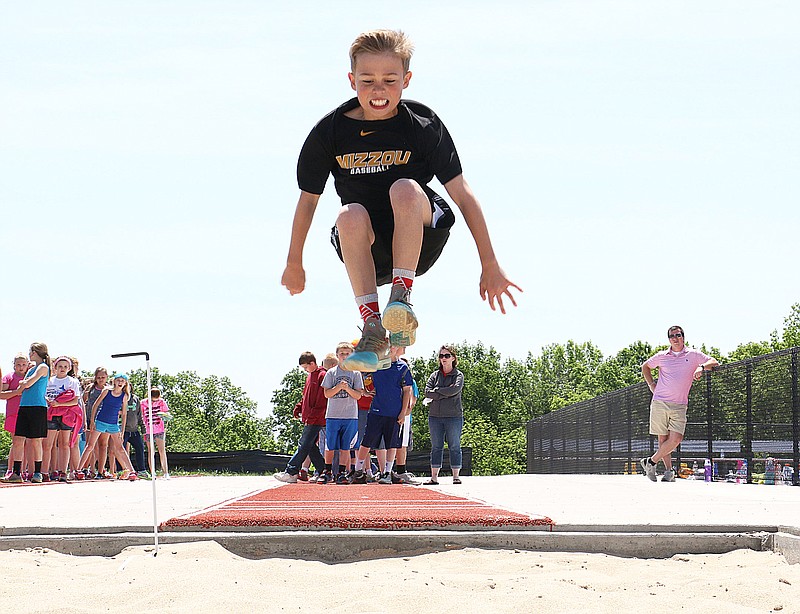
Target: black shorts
(31, 422)
(433, 239)
(378, 427)
(57, 424)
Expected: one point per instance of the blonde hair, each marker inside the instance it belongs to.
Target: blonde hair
(382, 41)
(329, 362)
(345, 345)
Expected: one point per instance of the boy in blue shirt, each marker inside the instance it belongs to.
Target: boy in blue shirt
(390, 405)
(382, 152)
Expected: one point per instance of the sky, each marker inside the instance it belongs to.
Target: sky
(637, 163)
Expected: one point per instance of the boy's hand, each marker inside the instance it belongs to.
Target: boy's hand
(294, 278)
(494, 284)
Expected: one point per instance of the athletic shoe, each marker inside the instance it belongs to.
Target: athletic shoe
(71, 475)
(407, 478)
(398, 317)
(649, 469)
(80, 475)
(342, 479)
(167, 476)
(133, 477)
(386, 478)
(26, 476)
(143, 475)
(325, 477)
(359, 477)
(283, 476)
(46, 477)
(62, 477)
(371, 479)
(303, 475)
(13, 478)
(36, 478)
(313, 478)
(8, 473)
(669, 476)
(372, 350)
(402, 339)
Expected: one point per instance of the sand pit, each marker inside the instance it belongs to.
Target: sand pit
(204, 577)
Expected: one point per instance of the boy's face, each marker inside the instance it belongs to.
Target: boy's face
(343, 353)
(396, 352)
(379, 80)
(309, 367)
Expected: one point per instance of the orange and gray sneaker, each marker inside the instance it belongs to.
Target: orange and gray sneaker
(399, 318)
(372, 351)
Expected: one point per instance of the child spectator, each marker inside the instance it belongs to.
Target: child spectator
(10, 393)
(311, 409)
(388, 412)
(32, 416)
(160, 416)
(382, 152)
(104, 425)
(342, 388)
(64, 418)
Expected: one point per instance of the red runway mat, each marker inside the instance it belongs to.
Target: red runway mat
(367, 506)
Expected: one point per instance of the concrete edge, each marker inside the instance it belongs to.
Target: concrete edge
(787, 544)
(343, 546)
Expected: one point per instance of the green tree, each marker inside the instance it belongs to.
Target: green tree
(284, 425)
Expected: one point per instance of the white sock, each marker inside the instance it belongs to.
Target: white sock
(387, 466)
(359, 464)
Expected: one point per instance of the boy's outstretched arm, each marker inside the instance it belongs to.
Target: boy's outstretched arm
(494, 283)
(294, 276)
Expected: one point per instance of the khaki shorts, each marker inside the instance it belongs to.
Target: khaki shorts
(666, 417)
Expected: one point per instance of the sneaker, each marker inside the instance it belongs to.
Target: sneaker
(325, 477)
(303, 475)
(313, 478)
(8, 474)
(71, 475)
(402, 339)
(133, 476)
(669, 476)
(398, 317)
(54, 475)
(386, 478)
(36, 478)
(26, 476)
(47, 478)
(167, 476)
(359, 477)
(143, 475)
(62, 477)
(13, 478)
(396, 478)
(79, 475)
(342, 479)
(407, 478)
(283, 476)
(371, 478)
(372, 351)
(649, 469)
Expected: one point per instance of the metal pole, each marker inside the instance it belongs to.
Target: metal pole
(152, 444)
(795, 421)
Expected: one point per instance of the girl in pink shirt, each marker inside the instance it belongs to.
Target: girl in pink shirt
(160, 416)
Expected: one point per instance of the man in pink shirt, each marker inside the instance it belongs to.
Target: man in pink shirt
(677, 367)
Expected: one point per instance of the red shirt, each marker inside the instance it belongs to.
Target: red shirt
(314, 404)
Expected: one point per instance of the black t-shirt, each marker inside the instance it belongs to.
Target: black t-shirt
(367, 157)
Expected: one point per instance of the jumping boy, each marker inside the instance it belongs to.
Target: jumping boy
(382, 152)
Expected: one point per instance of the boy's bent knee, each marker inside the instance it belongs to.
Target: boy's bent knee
(353, 216)
(406, 191)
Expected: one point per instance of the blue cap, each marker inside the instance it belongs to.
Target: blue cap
(120, 375)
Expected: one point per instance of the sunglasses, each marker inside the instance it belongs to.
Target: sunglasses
(445, 355)
(675, 335)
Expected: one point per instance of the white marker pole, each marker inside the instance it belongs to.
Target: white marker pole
(152, 443)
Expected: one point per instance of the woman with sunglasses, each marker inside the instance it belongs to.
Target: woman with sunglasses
(445, 413)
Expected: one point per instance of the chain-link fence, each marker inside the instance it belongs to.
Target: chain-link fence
(748, 411)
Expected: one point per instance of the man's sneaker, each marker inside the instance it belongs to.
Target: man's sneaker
(342, 479)
(143, 475)
(669, 476)
(402, 339)
(649, 469)
(359, 477)
(372, 478)
(62, 477)
(313, 478)
(325, 477)
(303, 475)
(398, 317)
(36, 478)
(283, 476)
(13, 478)
(386, 478)
(372, 350)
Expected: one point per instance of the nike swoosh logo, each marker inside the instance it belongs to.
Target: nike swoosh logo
(363, 133)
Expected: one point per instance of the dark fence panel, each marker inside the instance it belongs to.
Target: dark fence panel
(748, 410)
